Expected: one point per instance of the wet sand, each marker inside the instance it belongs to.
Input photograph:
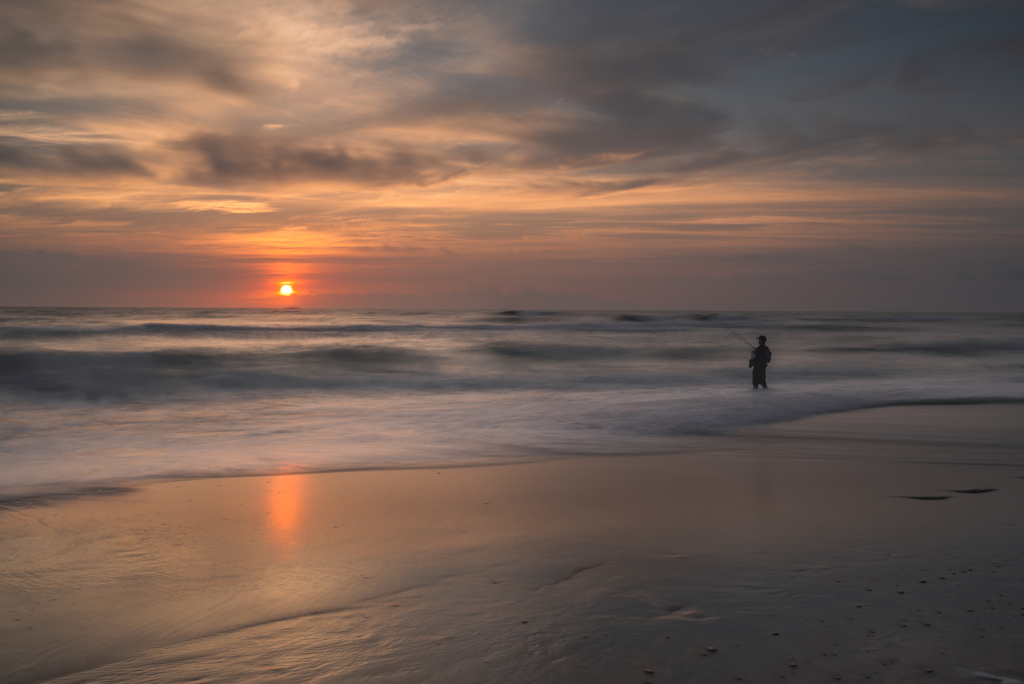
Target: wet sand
(857, 547)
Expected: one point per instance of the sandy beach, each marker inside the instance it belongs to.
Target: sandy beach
(882, 545)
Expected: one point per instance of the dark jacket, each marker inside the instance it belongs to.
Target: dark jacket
(762, 357)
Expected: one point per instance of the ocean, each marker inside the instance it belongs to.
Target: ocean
(92, 396)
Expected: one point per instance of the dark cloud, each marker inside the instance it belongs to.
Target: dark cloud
(48, 40)
(841, 86)
(21, 154)
(23, 54)
(584, 85)
(597, 83)
(721, 157)
(915, 73)
(1009, 48)
(590, 47)
(93, 107)
(622, 123)
(589, 188)
(587, 84)
(874, 149)
(229, 159)
(161, 56)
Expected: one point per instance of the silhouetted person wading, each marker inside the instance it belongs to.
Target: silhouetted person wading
(759, 360)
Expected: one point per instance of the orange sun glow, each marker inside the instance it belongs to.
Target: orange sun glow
(285, 290)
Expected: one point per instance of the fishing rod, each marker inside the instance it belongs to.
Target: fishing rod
(743, 340)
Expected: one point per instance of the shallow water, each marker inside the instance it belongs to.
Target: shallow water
(101, 395)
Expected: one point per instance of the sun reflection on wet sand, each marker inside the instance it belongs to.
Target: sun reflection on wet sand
(285, 495)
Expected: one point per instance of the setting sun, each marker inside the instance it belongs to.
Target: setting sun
(286, 290)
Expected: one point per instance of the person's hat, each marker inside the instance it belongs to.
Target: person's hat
(762, 338)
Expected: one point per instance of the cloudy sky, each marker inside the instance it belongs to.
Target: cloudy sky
(679, 154)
